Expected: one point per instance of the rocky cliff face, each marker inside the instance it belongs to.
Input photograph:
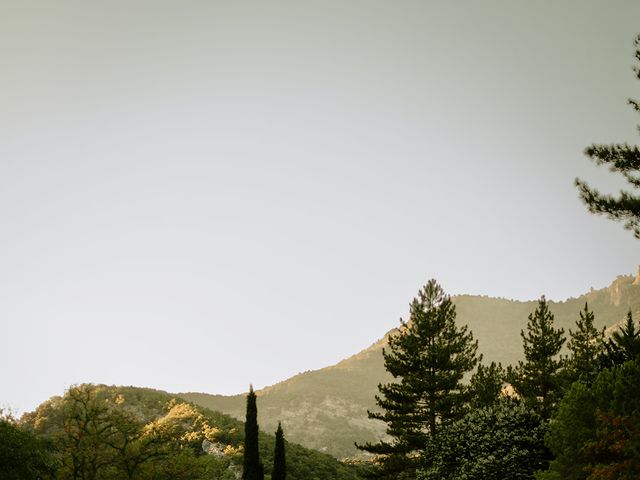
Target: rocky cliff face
(622, 294)
(619, 289)
(327, 409)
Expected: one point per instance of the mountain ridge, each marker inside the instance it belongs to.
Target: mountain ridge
(326, 409)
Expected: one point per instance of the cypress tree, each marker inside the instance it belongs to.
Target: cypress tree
(428, 357)
(538, 378)
(252, 468)
(279, 461)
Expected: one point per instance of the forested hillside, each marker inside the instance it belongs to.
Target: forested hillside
(105, 432)
(327, 409)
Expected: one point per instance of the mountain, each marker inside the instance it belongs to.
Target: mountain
(326, 409)
(89, 421)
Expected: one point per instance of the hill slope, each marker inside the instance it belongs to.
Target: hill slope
(327, 409)
(181, 422)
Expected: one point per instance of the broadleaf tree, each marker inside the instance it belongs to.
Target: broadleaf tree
(503, 441)
(23, 454)
(428, 357)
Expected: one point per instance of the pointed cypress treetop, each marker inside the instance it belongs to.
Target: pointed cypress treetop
(252, 468)
(279, 462)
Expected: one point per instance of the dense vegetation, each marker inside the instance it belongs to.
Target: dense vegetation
(327, 409)
(502, 441)
(545, 416)
(439, 428)
(23, 454)
(101, 432)
(97, 432)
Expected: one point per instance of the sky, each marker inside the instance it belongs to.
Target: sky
(199, 195)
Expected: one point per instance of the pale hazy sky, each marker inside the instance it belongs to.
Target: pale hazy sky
(196, 195)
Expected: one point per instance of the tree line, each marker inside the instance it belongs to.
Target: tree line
(99, 432)
(573, 417)
(549, 417)
(507, 423)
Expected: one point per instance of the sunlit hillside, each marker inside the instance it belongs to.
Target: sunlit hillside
(152, 434)
(327, 409)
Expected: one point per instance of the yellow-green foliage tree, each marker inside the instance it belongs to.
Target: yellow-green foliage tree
(100, 436)
(155, 435)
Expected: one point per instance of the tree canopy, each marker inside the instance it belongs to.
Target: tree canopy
(428, 357)
(538, 379)
(23, 455)
(504, 441)
(586, 346)
(595, 433)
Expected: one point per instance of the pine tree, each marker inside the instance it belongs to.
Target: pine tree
(623, 345)
(594, 433)
(486, 385)
(279, 462)
(586, 346)
(538, 378)
(624, 159)
(252, 468)
(428, 357)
